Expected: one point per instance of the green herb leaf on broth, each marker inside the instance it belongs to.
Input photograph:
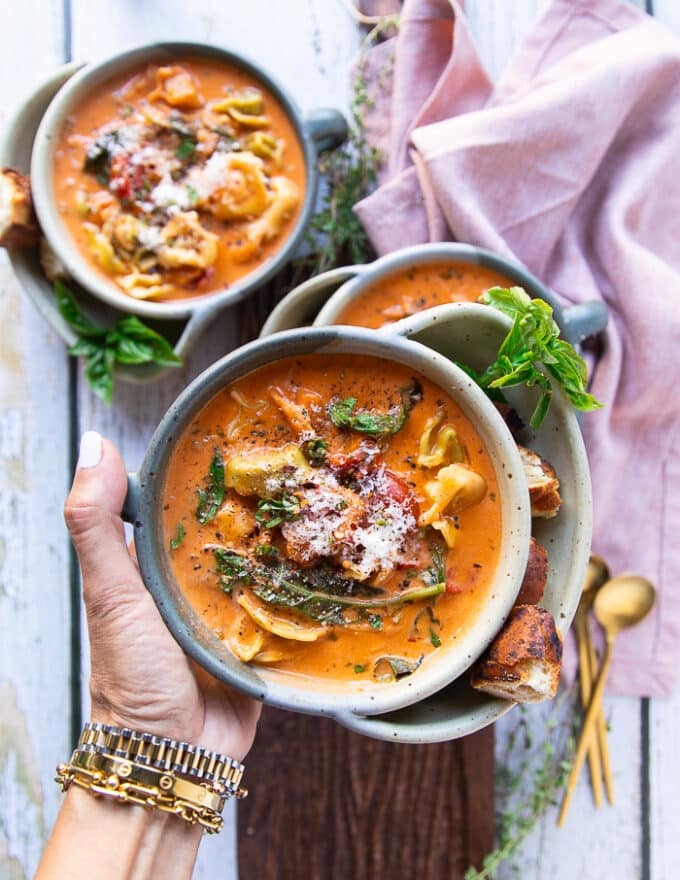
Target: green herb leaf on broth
(211, 498)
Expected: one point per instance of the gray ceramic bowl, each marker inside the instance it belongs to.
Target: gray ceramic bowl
(348, 701)
(320, 130)
(321, 299)
(471, 333)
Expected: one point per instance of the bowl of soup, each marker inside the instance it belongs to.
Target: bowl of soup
(333, 521)
(175, 176)
(411, 280)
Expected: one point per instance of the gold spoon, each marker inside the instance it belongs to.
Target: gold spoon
(598, 758)
(622, 602)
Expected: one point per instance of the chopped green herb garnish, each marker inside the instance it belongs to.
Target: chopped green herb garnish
(315, 451)
(129, 341)
(343, 415)
(186, 148)
(434, 638)
(271, 512)
(359, 668)
(192, 192)
(375, 621)
(210, 499)
(179, 537)
(232, 568)
(532, 346)
(266, 551)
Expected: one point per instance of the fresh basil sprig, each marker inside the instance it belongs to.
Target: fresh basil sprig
(128, 342)
(533, 343)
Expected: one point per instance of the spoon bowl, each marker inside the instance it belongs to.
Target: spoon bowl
(623, 601)
(597, 574)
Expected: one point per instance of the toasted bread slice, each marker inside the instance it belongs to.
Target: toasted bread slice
(535, 575)
(18, 226)
(53, 268)
(543, 484)
(523, 662)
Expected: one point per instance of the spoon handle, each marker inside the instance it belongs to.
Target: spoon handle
(601, 725)
(586, 730)
(586, 672)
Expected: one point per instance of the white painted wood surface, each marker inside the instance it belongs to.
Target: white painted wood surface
(309, 45)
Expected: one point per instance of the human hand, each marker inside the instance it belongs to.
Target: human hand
(140, 677)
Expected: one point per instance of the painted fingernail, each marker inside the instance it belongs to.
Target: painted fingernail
(90, 450)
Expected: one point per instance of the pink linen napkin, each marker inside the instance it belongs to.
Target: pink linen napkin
(571, 165)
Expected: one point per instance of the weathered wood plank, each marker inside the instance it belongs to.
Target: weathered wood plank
(34, 557)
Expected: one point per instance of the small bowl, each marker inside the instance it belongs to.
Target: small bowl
(322, 299)
(322, 129)
(345, 700)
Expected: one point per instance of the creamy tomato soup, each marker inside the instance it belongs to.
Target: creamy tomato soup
(178, 180)
(334, 517)
(420, 287)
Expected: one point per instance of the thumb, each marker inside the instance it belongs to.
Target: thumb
(92, 514)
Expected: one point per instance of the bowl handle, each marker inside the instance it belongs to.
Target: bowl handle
(583, 320)
(132, 499)
(327, 127)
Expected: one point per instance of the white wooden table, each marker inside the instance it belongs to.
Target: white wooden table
(45, 404)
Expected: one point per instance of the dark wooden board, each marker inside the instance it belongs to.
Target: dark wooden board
(329, 804)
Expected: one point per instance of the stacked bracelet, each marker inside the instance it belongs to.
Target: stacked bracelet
(153, 771)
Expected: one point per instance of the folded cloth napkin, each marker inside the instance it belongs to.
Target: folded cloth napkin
(571, 165)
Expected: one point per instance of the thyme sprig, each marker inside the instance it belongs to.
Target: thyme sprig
(529, 780)
(336, 236)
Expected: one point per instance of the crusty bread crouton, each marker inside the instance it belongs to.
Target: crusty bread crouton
(53, 268)
(535, 575)
(543, 484)
(18, 226)
(523, 662)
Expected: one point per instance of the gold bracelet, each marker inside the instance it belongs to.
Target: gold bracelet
(140, 768)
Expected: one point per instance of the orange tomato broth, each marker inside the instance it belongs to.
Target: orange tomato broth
(347, 652)
(109, 104)
(419, 287)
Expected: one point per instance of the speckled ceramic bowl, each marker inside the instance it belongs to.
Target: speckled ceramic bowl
(321, 300)
(317, 131)
(350, 702)
(471, 334)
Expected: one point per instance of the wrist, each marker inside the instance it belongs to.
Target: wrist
(118, 841)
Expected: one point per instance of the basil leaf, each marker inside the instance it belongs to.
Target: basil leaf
(186, 148)
(342, 413)
(272, 512)
(70, 312)
(161, 351)
(315, 451)
(179, 537)
(210, 499)
(99, 373)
